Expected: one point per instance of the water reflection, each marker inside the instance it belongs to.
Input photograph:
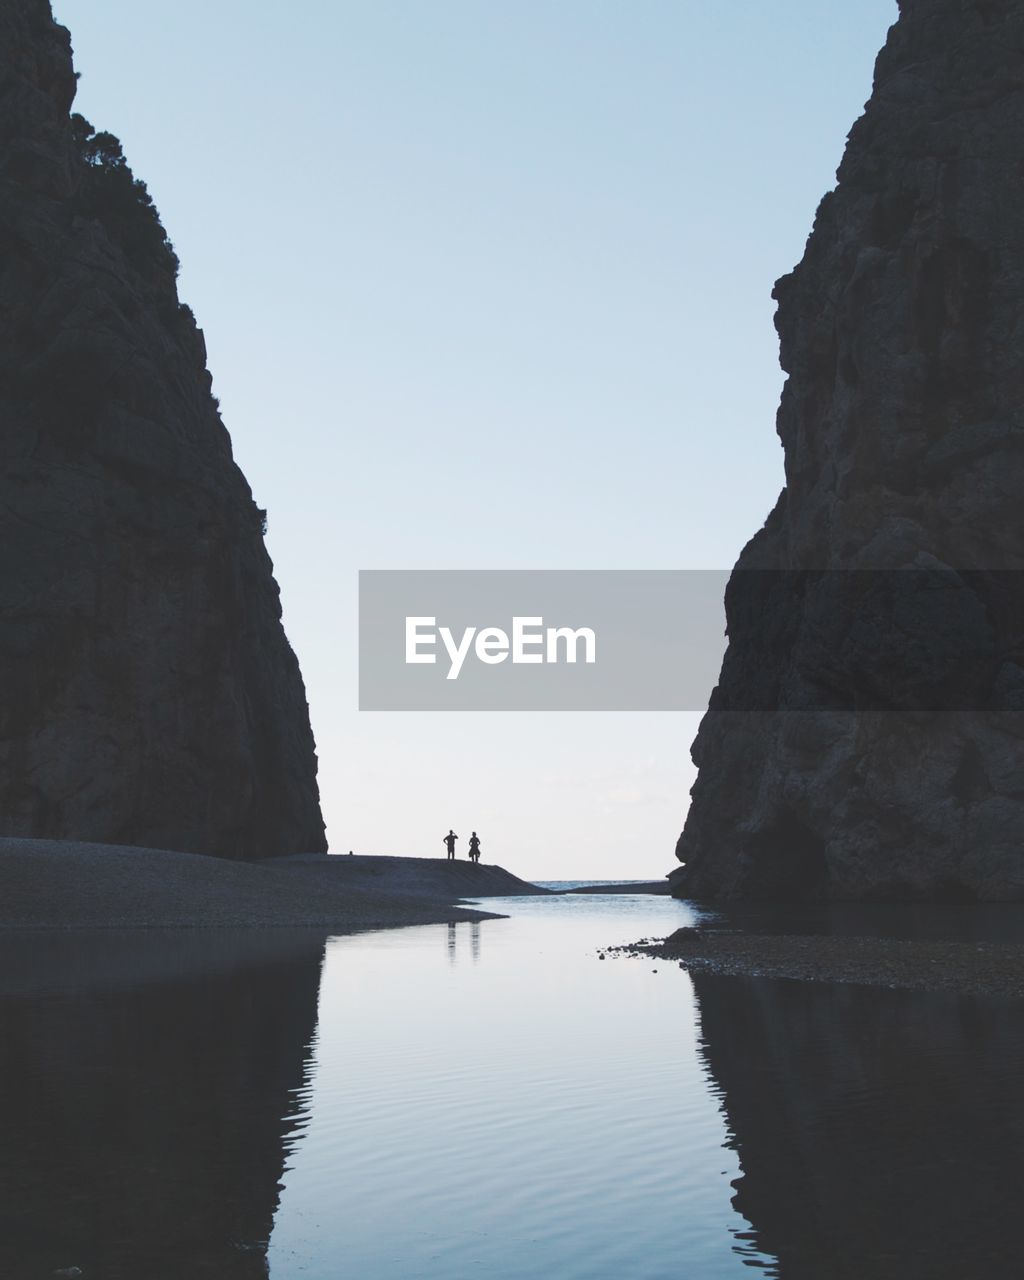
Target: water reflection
(452, 940)
(880, 1133)
(544, 1113)
(151, 1087)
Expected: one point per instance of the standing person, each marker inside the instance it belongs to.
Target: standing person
(474, 847)
(449, 842)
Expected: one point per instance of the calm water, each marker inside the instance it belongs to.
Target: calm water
(492, 1100)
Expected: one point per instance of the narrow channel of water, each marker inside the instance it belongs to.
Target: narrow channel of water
(492, 1100)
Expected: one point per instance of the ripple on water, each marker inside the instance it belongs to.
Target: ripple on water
(495, 1101)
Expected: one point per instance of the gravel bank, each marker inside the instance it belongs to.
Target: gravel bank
(419, 877)
(970, 968)
(50, 884)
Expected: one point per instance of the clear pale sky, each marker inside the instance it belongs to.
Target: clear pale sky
(486, 284)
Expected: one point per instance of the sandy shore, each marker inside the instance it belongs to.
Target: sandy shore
(49, 884)
(423, 877)
(970, 968)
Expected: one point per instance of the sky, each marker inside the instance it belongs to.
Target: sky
(487, 285)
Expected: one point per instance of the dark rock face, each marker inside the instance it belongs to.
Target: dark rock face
(150, 696)
(866, 738)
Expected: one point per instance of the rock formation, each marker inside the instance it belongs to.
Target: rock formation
(149, 694)
(866, 739)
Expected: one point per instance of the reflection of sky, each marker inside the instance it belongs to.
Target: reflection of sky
(487, 1103)
(488, 286)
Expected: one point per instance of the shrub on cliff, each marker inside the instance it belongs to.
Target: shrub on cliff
(112, 194)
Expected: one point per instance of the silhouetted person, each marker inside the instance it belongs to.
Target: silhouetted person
(449, 842)
(474, 847)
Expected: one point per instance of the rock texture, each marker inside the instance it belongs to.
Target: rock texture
(866, 738)
(149, 694)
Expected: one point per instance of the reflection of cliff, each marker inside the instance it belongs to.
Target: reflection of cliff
(145, 1129)
(880, 1133)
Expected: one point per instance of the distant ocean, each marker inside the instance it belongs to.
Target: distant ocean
(580, 884)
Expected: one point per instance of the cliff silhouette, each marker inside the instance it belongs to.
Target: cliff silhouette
(150, 696)
(866, 738)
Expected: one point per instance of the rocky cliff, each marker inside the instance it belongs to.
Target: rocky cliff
(149, 695)
(866, 738)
